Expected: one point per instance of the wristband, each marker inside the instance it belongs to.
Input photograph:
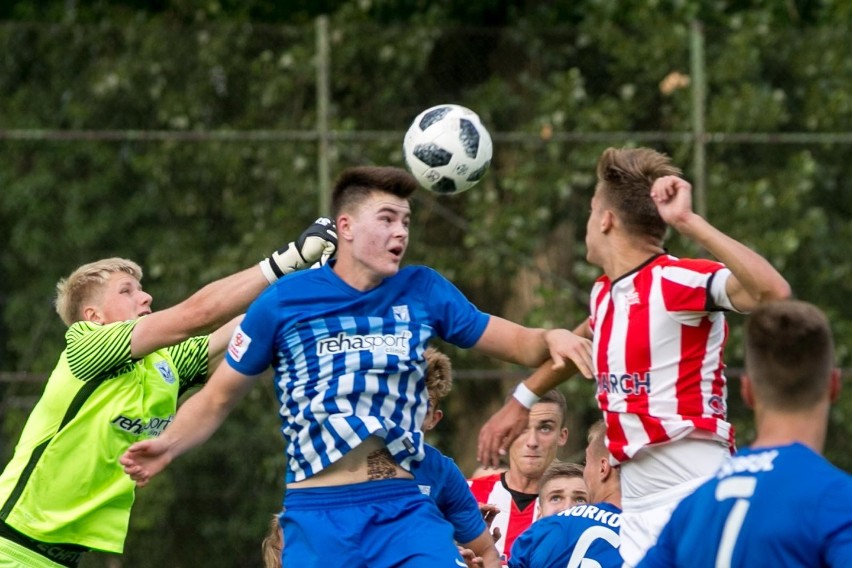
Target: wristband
(268, 271)
(525, 396)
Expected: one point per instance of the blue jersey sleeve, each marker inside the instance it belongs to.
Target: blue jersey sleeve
(458, 321)
(443, 481)
(458, 506)
(252, 344)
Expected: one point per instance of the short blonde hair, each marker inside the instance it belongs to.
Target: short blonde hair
(439, 374)
(597, 439)
(80, 287)
(559, 469)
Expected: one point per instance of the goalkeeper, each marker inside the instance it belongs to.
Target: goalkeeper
(117, 382)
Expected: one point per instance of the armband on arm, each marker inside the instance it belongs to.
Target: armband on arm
(525, 396)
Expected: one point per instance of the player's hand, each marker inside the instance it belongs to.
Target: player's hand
(315, 245)
(500, 431)
(470, 558)
(143, 460)
(318, 242)
(489, 513)
(565, 345)
(673, 198)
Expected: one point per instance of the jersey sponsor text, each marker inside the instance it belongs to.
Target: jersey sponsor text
(396, 344)
(625, 383)
(154, 427)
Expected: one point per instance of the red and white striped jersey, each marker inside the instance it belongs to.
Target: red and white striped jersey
(658, 336)
(511, 520)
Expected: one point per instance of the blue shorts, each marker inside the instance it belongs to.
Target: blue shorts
(377, 524)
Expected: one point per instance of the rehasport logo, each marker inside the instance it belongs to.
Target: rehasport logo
(153, 427)
(395, 344)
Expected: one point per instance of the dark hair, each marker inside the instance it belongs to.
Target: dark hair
(625, 177)
(789, 354)
(354, 185)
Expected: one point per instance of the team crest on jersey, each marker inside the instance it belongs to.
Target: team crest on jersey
(166, 371)
(239, 344)
(400, 313)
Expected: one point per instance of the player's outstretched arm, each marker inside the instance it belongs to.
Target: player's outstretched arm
(196, 420)
(508, 341)
(220, 301)
(753, 279)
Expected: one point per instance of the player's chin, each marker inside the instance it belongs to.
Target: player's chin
(391, 267)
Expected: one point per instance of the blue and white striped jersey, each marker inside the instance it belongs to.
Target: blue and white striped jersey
(349, 364)
(782, 506)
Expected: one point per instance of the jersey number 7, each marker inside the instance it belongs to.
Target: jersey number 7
(739, 488)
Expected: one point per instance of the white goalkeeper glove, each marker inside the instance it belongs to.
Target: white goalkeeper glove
(316, 244)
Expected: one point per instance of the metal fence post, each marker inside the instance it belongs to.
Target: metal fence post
(323, 94)
(699, 95)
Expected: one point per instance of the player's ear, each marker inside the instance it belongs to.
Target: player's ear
(563, 436)
(836, 384)
(93, 314)
(436, 416)
(746, 391)
(344, 227)
(607, 220)
(604, 468)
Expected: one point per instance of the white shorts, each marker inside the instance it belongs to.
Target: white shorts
(654, 482)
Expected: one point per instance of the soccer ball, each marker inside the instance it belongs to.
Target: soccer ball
(447, 149)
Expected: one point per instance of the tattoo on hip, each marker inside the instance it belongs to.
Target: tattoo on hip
(381, 465)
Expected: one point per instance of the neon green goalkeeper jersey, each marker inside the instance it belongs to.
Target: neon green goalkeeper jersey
(64, 483)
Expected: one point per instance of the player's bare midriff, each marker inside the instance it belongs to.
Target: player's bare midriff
(370, 461)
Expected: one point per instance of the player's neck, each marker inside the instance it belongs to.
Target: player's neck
(355, 274)
(630, 255)
(517, 481)
(611, 496)
(785, 428)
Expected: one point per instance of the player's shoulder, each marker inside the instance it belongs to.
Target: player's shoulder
(702, 265)
(85, 329)
(419, 272)
(484, 482)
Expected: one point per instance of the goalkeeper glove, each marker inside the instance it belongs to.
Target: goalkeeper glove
(316, 244)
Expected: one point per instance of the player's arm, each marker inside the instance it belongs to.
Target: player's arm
(502, 428)
(531, 347)
(484, 552)
(220, 301)
(753, 279)
(196, 420)
(218, 342)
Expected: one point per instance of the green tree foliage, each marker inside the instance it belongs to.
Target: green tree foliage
(182, 137)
